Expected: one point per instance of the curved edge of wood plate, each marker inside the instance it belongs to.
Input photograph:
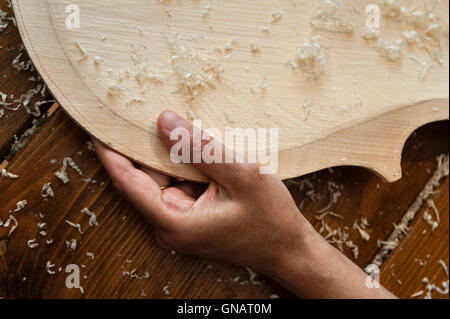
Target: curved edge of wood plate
(44, 49)
(376, 144)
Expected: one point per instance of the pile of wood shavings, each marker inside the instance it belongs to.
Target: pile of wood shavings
(5, 20)
(335, 16)
(310, 58)
(8, 101)
(195, 71)
(394, 239)
(426, 31)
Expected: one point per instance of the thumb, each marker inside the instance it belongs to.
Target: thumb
(170, 125)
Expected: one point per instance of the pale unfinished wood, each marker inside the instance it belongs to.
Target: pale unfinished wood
(370, 135)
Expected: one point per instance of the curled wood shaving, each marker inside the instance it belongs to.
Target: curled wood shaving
(335, 16)
(20, 205)
(277, 15)
(7, 174)
(62, 174)
(72, 244)
(7, 223)
(370, 34)
(92, 217)
(4, 21)
(364, 235)
(47, 190)
(32, 243)
(310, 58)
(76, 226)
(253, 275)
(49, 267)
(255, 47)
(166, 289)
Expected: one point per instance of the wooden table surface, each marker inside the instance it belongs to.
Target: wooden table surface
(127, 263)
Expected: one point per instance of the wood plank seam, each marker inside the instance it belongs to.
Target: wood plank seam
(398, 233)
(21, 141)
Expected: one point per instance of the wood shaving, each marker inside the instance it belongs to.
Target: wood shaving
(427, 29)
(391, 50)
(32, 243)
(411, 37)
(207, 11)
(253, 275)
(47, 190)
(7, 174)
(370, 34)
(98, 60)
(443, 289)
(259, 87)
(84, 53)
(22, 65)
(306, 108)
(90, 146)
(444, 266)
(432, 205)
(8, 222)
(335, 16)
(135, 100)
(134, 275)
(393, 240)
(310, 58)
(92, 217)
(49, 267)
(195, 71)
(364, 235)
(434, 224)
(4, 21)
(277, 15)
(20, 205)
(72, 244)
(323, 215)
(166, 290)
(76, 226)
(62, 174)
(255, 47)
(90, 255)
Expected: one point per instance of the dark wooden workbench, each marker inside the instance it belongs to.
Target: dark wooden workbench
(124, 242)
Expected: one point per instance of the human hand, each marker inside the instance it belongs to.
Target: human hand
(241, 217)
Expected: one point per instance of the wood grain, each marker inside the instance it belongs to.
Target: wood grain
(124, 241)
(14, 82)
(419, 254)
(343, 141)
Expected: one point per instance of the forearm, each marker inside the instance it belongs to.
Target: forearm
(311, 268)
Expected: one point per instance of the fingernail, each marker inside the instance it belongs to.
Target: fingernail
(169, 121)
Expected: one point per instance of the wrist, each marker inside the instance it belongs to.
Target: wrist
(298, 257)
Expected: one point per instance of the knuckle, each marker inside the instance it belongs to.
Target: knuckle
(121, 176)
